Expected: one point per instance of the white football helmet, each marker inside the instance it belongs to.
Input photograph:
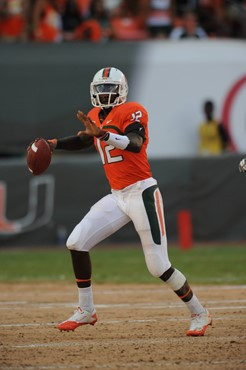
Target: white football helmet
(108, 88)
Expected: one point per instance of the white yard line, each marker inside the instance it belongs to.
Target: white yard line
(12, 302)
(112, 322)
(140, 305)
(134, 341)
(131, 365)
(133, 290)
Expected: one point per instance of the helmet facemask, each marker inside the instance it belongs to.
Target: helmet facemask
(105, 95)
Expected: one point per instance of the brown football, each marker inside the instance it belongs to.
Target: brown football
(38, 156)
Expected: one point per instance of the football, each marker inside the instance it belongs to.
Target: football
(38, 156)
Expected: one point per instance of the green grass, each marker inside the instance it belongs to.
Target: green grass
(201, 265)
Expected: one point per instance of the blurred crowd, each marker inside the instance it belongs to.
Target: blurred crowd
(105, 20)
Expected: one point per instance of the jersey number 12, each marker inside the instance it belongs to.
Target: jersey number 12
(105, 153)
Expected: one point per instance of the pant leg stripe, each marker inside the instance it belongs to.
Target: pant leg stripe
(157, 196)
(149, 203)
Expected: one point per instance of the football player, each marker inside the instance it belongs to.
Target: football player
(119, 131)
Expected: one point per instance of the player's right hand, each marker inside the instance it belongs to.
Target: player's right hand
(90, 127)
(242, 165)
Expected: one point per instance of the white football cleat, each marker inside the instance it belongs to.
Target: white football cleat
(199, 324)
(80, 317)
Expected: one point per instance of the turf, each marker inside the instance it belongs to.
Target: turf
(201, 265)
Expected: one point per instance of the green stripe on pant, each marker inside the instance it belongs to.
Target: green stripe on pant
(149, 203)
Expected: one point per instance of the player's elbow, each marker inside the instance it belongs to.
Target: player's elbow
(135, 146)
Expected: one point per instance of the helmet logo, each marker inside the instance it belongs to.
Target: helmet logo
(106, 72)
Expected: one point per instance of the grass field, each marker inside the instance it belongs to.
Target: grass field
(201, 265)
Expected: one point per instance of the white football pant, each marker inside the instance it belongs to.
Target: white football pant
(140, 203)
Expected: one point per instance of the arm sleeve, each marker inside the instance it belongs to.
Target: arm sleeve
(137, 128)
(134, 127)
(74, 142)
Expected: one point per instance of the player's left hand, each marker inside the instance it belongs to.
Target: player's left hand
(90, 128)
(52, 143)
(242, 165)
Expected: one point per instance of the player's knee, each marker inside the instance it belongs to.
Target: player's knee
(74, 240)
(156, 265)
(72, 243)
(81, 238)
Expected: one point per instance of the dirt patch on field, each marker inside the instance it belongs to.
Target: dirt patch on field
(139, 327)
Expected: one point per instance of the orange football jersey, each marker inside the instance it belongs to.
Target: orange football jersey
(122, 167)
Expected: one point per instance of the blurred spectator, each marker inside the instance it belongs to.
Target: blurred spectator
(101, 15)
(184, 6)
(72, 16)
(92, 21)
(127, 22)
(47, 21)
(188, 29)
(235, 18)
(111, 5)
(56, 20)
(13, 19)
(159, 18)
(213, 138)
(210, 17)
(209, 14)
(84, 7)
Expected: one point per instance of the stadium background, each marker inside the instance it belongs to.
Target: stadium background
(42, 86)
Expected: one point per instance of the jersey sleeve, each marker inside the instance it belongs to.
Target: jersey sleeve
(134, 113)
